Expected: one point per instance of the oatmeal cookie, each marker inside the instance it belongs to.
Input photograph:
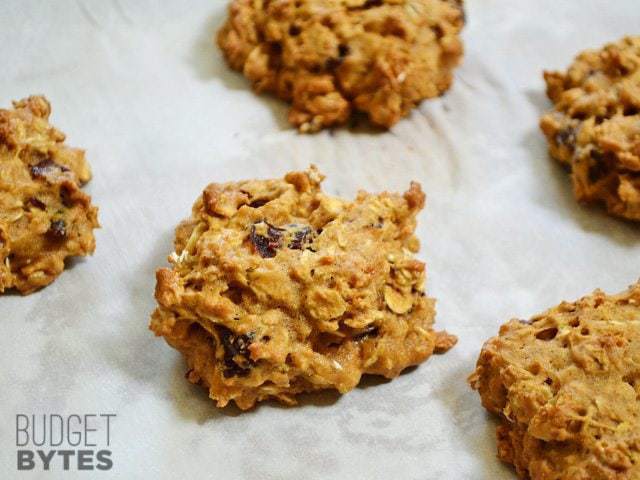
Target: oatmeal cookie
(594, 128)
(566, 386)
(44, 215)
(331, 57)
(276, 289)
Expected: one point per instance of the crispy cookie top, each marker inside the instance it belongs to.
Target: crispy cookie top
(320, 290)
(330, 57)
(595, 126)
(44, 215)
(567, 386)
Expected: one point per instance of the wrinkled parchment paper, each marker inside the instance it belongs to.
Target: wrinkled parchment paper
(141, 86)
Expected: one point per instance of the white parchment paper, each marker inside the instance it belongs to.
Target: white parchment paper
(140, 85)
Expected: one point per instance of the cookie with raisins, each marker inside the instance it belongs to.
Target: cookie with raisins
(276, 288)
(330, 58)
(594, 128)
(45, 217)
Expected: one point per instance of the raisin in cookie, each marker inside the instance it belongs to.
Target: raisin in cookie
(332, 57)
(44, 215)
(566, 385)
(594, 128)
(276, 289)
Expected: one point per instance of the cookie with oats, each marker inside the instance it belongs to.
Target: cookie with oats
(45, 217)
(594, 128)
(330, 58)
(276, 288)
(566, 387)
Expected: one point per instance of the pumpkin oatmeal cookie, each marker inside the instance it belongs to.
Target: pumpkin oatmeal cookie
(276, 289)
(329, 58)
(44, 215)
(566, 386)
(594, 129)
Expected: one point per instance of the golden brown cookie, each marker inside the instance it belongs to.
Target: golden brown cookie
(44, 215)
(566, 386)
(594, 128)
(332, 57)
(276, 289)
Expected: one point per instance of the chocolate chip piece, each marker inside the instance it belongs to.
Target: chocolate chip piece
(300, 238)
(57, 230)
(65, 196)
(237, 360)
(600, 166)
(258, 203)
(332, 63)
(267, 246)
(46, 167)
(623, 71)
(294, 236)
(566, 137)
(294, 30)
(275, 48)
(34, 202)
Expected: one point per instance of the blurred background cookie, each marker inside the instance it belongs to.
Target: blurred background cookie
(594, 128)
(330, 58)
(45, 217)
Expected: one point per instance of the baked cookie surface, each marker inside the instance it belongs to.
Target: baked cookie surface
(566, 385)
(276, 289)
(44, 215)
(329, 58)
(594, 128)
